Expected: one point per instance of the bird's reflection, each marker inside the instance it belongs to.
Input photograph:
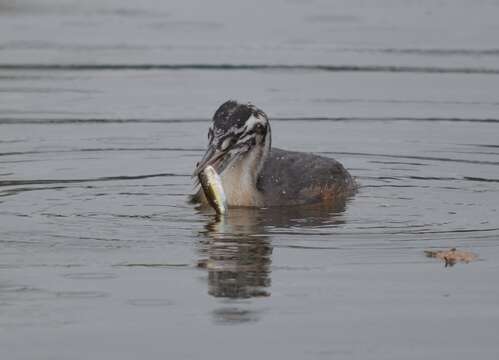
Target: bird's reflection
(237, 254)
(236, 249)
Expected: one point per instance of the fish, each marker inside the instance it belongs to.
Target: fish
(213, 189)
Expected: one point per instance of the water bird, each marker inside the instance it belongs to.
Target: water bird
(255, 174)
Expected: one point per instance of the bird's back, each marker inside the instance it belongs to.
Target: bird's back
(296, 178)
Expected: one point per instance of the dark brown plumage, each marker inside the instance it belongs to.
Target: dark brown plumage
(295, 178)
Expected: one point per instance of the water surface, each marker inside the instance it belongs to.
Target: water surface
(104, 110)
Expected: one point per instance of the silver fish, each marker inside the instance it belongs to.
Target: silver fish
(213, 190)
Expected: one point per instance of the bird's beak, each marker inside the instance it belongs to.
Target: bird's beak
(220, 159)
(212, 157)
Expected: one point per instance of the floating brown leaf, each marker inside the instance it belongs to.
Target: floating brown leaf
(450, 257)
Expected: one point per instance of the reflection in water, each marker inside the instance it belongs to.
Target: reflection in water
(236, 248)
(234, 315)
(236, 254)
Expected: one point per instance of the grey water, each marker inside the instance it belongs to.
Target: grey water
(104, 111)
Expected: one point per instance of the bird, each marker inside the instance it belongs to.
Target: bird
(255, 174)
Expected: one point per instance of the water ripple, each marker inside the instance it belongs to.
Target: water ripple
(70, 181)
(97, 120)
(254, 67)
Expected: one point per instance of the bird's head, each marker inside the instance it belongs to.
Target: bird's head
(237, 131)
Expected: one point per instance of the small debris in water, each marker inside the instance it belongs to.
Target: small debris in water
(202, 264)
(452, 256)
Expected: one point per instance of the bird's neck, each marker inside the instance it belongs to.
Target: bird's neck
(239, 180)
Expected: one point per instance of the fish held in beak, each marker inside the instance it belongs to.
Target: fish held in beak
(212, 186)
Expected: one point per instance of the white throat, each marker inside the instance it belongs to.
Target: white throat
(239, 180)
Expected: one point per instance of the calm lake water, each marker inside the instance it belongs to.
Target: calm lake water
(104, 111)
